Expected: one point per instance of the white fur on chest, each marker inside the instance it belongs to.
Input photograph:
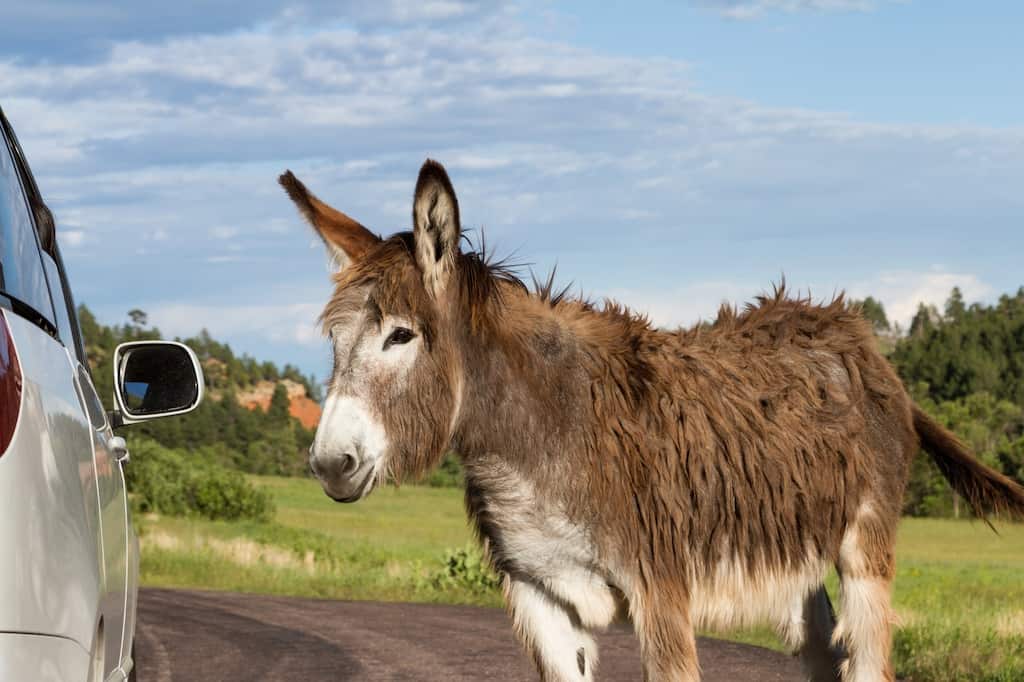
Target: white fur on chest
(545, 547)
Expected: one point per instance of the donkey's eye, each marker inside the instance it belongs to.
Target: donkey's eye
(398, 336)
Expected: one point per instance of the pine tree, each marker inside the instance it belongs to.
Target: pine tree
(278, 411)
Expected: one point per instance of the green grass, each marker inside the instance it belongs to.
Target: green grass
(390, 546)
(410, 522)
(959, 590)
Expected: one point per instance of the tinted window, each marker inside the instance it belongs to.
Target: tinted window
(60, 306)
(21, 268)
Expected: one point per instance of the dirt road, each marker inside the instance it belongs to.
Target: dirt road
(185, 635)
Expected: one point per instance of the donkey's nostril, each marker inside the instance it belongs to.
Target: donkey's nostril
(348, 464)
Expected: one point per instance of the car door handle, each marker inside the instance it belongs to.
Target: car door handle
(119, 448)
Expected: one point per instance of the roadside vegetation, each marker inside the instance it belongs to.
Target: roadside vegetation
(406, 544)
(167, 481)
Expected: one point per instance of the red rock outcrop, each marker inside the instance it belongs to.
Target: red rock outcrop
(301, 406)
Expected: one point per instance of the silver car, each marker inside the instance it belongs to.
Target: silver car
(70, 559)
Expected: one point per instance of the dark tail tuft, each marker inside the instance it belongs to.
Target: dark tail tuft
(987, 491)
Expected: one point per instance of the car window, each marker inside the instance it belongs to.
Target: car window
(69, 304)
(22, 276)
(60, 306)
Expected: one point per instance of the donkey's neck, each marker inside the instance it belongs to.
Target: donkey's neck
(527, 386)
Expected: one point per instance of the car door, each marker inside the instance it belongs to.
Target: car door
(51, 579)
(90, 441)
(113, 506)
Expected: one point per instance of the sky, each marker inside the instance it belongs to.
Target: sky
(671, 155)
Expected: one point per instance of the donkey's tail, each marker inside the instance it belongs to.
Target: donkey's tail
(986, 490)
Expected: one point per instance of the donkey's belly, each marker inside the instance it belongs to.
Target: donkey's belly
(734, 595)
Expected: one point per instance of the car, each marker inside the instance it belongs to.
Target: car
(70, 564)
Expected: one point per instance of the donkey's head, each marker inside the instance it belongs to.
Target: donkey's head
(392, 399)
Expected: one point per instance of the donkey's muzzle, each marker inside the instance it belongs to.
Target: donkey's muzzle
(344, 477)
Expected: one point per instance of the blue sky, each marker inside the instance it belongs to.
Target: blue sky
(669, 154)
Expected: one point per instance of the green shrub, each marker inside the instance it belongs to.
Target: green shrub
(465, 569)
(275, 453)
(171, 482)
(447, 475)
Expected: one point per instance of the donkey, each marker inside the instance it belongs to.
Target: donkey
(688, 478)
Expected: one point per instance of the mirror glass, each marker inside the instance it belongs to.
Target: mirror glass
(157, 378)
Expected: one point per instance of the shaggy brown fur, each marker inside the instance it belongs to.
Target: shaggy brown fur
(680, 473)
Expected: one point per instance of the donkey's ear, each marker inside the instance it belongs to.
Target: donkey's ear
(345, 238)
(436, 230)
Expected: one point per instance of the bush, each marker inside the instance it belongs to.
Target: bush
(447, 475)
(274, 453)
(466, 569)
(171, 482)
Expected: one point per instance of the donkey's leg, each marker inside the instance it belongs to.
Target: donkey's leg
(865, 617)
(809, 634)
(561, 648)
(667, 643)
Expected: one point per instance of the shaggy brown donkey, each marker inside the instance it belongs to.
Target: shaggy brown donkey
(689, 478)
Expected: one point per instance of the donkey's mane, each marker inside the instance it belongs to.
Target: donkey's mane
(487, 285)
(484, 281)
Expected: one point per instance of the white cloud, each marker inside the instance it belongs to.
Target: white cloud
(71, 238)
(276, 323)
(901, 292)
(686, 305)
(750, 9)
(224, 232)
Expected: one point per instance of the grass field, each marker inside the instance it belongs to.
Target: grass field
(959, 591)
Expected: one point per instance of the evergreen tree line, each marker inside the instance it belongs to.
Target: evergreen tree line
(219, 431)
(965, 366)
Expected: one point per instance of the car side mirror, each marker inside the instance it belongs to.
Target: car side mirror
(155, 379)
